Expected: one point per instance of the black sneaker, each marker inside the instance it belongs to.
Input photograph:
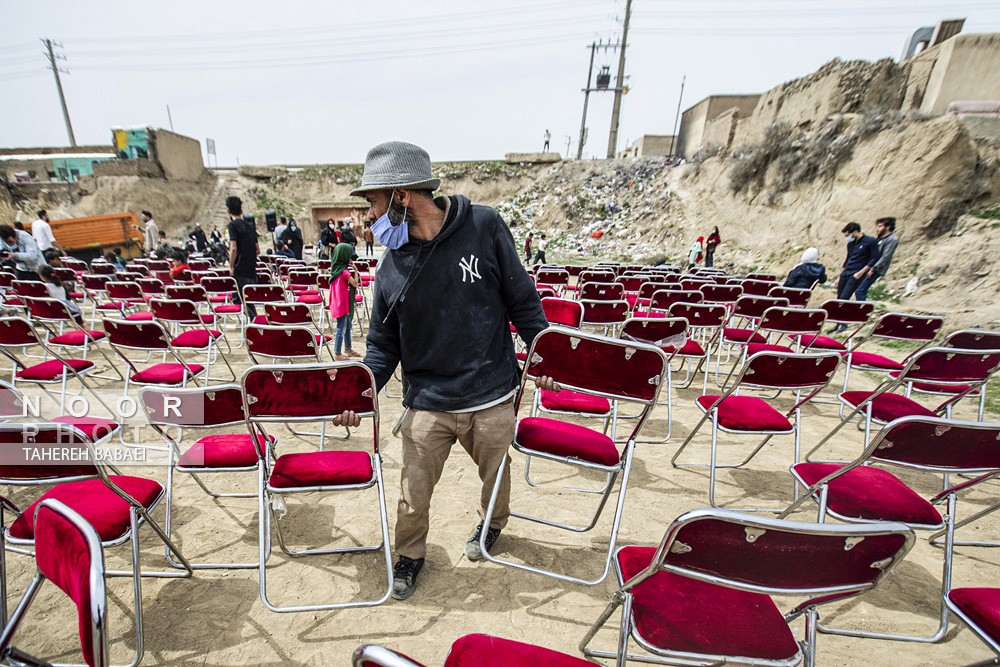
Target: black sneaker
(404, 577)
(472, 550)
(840, 328)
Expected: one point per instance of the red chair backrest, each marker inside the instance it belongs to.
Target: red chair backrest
(563, 311)
(30, 288)
(573, 269)
(695, 283)
(664, 298)
(784, 370)
(150, 286)
(137, 334)
(787, 320)
(763, 277)
(778, 556)
(102, 268)
(973, 339)
(649, 289)
(64, 274)
(194, 293)
(94, 283)
(7, 279)
(602, 292)
(605, 312)
(281, 341)
(798, 298)
(200, 264)
(631, 284)
(11, 402)
(128, 276)
(700, 315)
(50, 310)
(551, 277)
(951, 365)
(753, 307)
(841, 311)
(302, 278)
(308, 391)
(904, 326)
(17, 332)
(943, 445)
(181, 311)
(715, 293)
(158, 265)
(263, 294)
(288, 313)
(219, 284)
(757, 287)
(123, 291)
(597, 276)
(28, 467)
(613, 368)
(546, 292)
(200, 407)
(667, 333)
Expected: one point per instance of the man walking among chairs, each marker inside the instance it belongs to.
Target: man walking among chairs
(243, 251)
(448, 281)
(862, 252)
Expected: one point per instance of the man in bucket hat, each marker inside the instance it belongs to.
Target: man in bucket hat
(450, 278)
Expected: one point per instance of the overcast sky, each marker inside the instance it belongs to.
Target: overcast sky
(303, 82)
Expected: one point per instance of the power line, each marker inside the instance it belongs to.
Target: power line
(797, 30)
(837, 11)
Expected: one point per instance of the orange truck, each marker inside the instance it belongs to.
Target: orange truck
(98, 234)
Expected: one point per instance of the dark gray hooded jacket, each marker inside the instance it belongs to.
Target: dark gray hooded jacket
(441, 308)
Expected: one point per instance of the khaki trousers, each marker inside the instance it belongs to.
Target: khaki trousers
(427, 441)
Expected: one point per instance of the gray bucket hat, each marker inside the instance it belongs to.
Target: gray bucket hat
(397, 164)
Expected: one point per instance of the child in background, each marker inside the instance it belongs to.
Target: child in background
(178, 263)
(58, 291)
(343, 284)
(112, 259)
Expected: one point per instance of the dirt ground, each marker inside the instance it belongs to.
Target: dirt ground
(216, 618)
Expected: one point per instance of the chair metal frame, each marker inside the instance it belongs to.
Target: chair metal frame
(256, 420)
(171, 311)
(757, 531)
(593, 344)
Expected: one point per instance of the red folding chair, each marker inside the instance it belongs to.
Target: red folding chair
(752, 287)
(764, 277)
(860, 492)
(694, 282)
(102, 268)
(130, 299)
(965, 370)
(774, 325)
(743, 323)
(69, 554)
(220, 290)
(607, 316)
(472, 651)
(321, 393)
(727, 295)
(563, 311)
(195, 336)
(553, 278)
(670, 335)
(662, 299)
(613, 369)
(262, 295)
(646, 292)
(213, 409)
(733, 413)
(705, 323)
(16, 333)
(50, 313)
(152, 338)
(852, 314)
(14, 405)
(285, 342)
(922, 329)
(703, 596)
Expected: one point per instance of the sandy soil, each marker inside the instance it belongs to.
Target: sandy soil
(217, 618)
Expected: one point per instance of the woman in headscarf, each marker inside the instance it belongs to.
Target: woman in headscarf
(694, 256)
(714, 239)
(808, 272)
(343, 287)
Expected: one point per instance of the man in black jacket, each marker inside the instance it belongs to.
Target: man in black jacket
(450, 278)
(862, 253)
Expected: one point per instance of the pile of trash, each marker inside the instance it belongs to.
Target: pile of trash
(618, 209)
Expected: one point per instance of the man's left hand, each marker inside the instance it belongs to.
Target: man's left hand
(547, 383)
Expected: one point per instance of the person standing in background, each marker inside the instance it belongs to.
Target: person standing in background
(694, 255)
(41, 231)
(369, 239)
(713, 240)
(152, 231)
(198, 236)
(328, 240)
(527, 248)
(548, 136)
(885, 234)
(292, 237)
(243, 250)
(540, 255)
(278, 231)
(20, 247)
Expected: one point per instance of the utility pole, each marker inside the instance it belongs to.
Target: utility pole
(62, 98)
(586, 98)
(616, 111)
(569, 142)
(170, 118)
(677, 118)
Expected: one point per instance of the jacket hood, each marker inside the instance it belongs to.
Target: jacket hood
(457, 211)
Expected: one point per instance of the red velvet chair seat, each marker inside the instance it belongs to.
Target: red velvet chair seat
(166, 373)
(754, 348)
(49, 371)
(334, 468)
(306, 292)
(871, 494)
(746, 413)
(309, 298)
(322, 339)
(486, 651)
(876, 361)
(691, 348)
(77, 337)
(77, 295)
(112, 305)
(260, 319)
(820, 342)
(195, 338)
(574, 401)
(564, 439)
(358, 298)
(887, 406)
(228, 308)
(631, 298)
(676, 613)
(222, 451)
(104, 509)
(141, 315)
(742, 335)
(94, 428)
(207, 318)
(982, 606)
(521, 356)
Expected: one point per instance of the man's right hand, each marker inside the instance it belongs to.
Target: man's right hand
(547, 383)
(347, 418)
